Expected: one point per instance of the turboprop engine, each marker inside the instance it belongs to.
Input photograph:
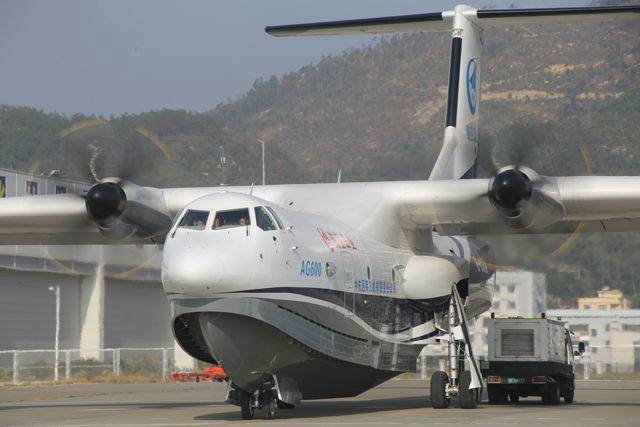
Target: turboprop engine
(428, 280)
(122, 210)
(525, 199)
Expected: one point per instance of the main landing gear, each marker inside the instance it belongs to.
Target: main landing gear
(465, 384)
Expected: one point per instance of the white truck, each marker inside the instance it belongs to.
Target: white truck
(529, 357)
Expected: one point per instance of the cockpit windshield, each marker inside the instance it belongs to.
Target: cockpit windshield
(275, 216)
(229, 219)
(195, 220)
(264, 221)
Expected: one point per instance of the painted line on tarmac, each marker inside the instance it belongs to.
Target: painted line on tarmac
(102, 409)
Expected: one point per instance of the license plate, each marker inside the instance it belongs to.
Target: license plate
(515, 380)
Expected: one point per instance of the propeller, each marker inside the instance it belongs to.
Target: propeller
(517, 191)
(111, 162)
(100, 152)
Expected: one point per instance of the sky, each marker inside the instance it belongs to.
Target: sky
(121, 56)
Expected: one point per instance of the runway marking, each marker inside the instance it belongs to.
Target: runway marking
(103, 409)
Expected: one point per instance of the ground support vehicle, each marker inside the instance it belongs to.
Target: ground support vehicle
(529, 357)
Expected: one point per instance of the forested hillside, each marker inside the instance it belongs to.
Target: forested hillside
(570, 96)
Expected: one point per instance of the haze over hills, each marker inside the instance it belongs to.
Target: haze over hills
(568, 97)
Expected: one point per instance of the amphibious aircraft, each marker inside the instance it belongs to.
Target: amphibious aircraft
(326, 290)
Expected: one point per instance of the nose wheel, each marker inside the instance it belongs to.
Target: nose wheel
(262, 400)
(247, 405)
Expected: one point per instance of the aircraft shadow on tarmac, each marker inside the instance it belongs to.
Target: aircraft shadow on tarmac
(333, 408)
(162, 405)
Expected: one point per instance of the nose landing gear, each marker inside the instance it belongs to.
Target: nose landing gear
(465, 384)
(264, 400)
(261, 400)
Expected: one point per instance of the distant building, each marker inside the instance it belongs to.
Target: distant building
(607, 299)
(612, 336)
(111, 296)
(519, 293)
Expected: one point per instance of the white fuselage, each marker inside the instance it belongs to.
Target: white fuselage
(316, 267)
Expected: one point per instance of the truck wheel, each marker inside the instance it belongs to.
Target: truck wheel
(439, 381)
(568, 395)
(497, 395)
(468, 397)
(551, 394)
(514, 397)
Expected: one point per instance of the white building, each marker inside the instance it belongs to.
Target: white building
(110, 296)
(612, 337)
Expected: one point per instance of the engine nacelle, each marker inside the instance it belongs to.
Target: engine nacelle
(428, 279)
(526, 199)
(123, 210)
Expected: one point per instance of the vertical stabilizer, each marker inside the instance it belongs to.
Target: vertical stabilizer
(457, 159)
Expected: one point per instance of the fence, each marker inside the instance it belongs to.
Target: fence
(598, 362)
(17, 366)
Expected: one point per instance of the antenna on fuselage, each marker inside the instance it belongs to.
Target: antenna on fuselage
(223, 161)
(339, 175)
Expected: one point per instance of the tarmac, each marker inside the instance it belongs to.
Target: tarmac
(396, 402)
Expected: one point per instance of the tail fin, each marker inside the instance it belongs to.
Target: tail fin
(457, 158)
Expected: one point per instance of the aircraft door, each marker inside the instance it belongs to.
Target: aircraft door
(349, 280)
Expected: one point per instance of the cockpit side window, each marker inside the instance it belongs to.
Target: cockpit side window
(263, 220)
(276, 217)
(195, 220)
(230, 219)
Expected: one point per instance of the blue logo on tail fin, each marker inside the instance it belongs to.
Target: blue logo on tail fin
(472, 92)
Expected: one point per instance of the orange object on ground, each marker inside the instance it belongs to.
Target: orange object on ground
(211, 373)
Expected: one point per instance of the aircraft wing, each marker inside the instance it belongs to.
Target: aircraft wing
(110, 213)
(55, 219)
(554, 205)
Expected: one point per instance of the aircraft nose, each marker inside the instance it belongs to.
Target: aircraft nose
(190, 271)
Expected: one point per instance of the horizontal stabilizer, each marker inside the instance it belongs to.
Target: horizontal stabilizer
(440, 21)
(388, 24)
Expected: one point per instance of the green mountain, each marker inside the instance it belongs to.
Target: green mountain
(566, 97)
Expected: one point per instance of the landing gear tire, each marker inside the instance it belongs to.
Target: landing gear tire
(514, 397)
(468, 397)
(568, 394)
(269, 406)
(497, 395)
(246, 405)
(551, 394)
(438, 389)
